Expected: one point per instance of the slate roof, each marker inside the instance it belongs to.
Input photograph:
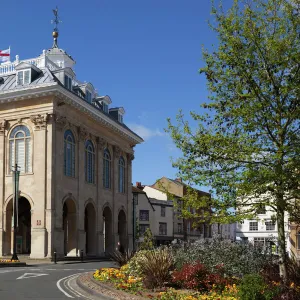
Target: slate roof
(46, 76)
(137, 190)
(10, 81)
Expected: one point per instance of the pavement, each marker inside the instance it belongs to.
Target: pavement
(46, 281)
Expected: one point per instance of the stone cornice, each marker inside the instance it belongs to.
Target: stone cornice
(70, 98)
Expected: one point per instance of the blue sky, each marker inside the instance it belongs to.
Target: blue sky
(144, 54)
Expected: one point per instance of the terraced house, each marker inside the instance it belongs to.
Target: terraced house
(75, 156)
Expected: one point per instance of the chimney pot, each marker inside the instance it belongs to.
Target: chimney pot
(138, 184)
(178, 179)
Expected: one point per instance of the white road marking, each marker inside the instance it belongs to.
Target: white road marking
(9, 271)
(31, 275)
(60, 280)
(73, 290)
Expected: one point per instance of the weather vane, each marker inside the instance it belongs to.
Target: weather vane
(56, 21)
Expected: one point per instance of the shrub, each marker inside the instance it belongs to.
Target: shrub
(155, 266)
(253, 287)
(197, 277)
(147, 243)
(237, 259)
(122, 258)
(191, 276)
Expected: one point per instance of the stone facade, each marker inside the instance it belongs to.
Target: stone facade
(58, 212)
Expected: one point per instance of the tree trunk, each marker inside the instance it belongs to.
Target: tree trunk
(281, 244)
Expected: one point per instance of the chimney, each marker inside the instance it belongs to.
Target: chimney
(138, 184)
(178, 179)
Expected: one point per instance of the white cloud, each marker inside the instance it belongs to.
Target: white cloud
(144, 132)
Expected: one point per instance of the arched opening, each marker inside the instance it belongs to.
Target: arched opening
(122, 230)
(23, 236)
(107, 230)
(90, 229)
(70, 228)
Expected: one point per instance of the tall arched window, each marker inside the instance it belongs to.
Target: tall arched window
(20, 149)
(89, 162)
(106, 169)
(121, 175)
(69, 154)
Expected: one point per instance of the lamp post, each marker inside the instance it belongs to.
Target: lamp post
(16, 174)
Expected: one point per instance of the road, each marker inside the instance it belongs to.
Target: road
(51, 281)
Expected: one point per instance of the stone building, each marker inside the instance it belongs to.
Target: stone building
(75, 157)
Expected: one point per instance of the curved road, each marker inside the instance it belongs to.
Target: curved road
(45, 281)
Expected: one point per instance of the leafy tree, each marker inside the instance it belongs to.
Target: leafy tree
(246, 144)
(147, 243)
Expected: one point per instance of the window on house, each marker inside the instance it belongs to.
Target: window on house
(259, 242)
(163, 211)
(144, 215)
(162, 228)
(89, 162)
(120, 118)
(261, 210)
(270, 225)
(23, 77)
(105, 107)
(179, 227)
(88, 97)
(20, 149)
(121, 175)
(106, 169)
(68, 82)
(188, 227)
(143, 228)
(69, 154)
(253, 226)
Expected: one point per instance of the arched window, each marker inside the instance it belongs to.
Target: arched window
(89, 162)
(106, 169)
(20, 149)
(121, 175)
(69, 154)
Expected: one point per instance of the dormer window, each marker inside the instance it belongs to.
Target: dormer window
(23, 77)
(68, 82)
(105, 107)
(120, 118)
(88, 96)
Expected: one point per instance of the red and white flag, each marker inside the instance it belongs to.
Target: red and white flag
(4, 55)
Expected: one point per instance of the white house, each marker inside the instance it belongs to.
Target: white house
(262, 230)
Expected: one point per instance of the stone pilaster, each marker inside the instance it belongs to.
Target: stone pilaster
(130, 216)
(38, 217)
(101, 144)
(3, 126)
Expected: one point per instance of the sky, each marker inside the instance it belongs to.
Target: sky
(144, 54)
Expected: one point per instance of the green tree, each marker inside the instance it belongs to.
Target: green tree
(246, 144)
(147, 243)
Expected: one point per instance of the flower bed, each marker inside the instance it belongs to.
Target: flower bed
(8, 261)
(122, 280)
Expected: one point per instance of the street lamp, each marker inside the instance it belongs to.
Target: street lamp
(16, 174)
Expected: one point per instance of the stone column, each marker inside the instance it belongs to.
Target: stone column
(130, 217)
(83, 136)
(101, 143)
(58, 149)
(3, 125)
(38, 224)
(115, 164)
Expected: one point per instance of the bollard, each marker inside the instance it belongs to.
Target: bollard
(55, 257)
(81, 255)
